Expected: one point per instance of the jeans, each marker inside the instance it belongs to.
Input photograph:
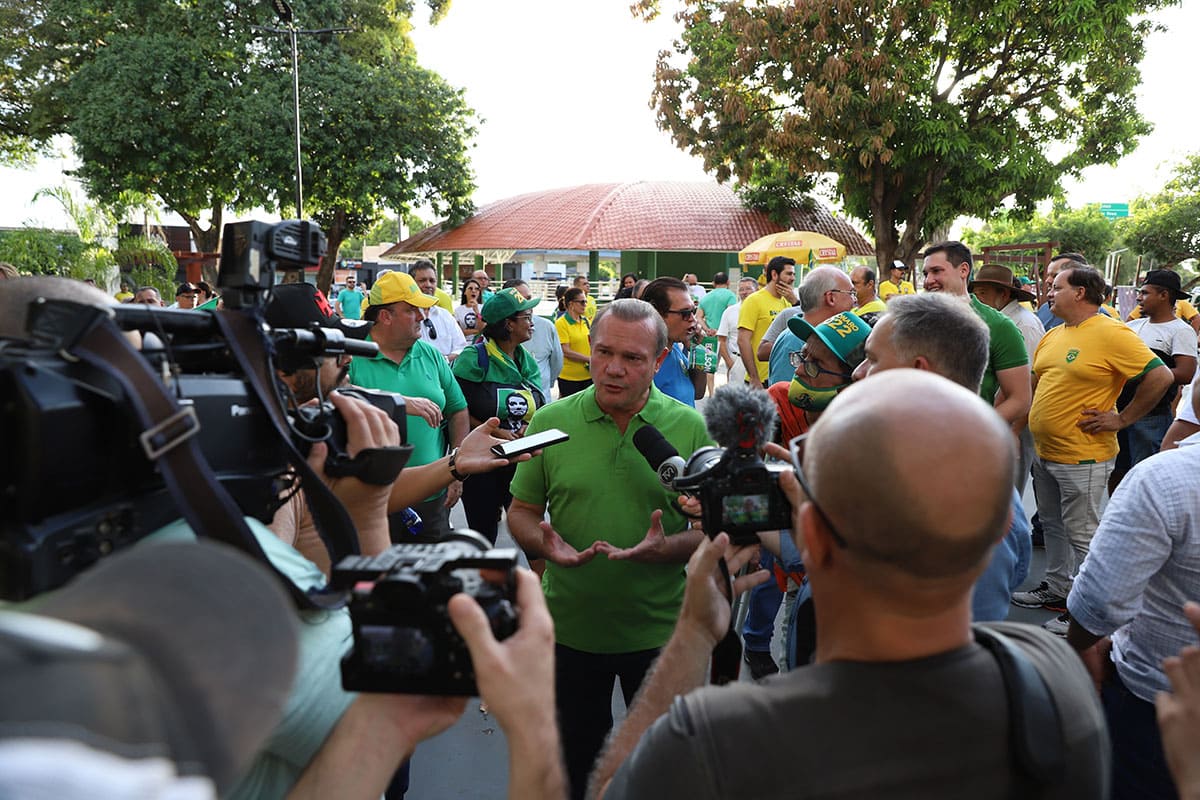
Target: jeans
(1139, 766)
(1146, 435)
(762, 608)
(1068, 500)
(584, 684)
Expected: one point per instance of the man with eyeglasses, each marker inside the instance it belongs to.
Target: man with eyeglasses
(824, 293)
(822, 358)
(902, 699)
(675, 377)
(439, 328)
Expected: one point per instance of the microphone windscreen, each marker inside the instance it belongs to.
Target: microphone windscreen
(650, 442)
(736, 412)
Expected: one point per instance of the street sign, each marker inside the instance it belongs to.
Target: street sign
(1114, 210)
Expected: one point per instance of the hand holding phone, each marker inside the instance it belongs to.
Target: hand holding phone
(527, 444)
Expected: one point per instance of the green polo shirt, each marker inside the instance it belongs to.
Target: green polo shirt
(1006, 347)
(598, 486)
(424, 372)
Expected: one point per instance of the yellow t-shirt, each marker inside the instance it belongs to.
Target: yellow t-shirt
(444, 300)
(1077, 367)
(574, 334)
(589, 310)
(876, 306)
(758, 310)
(887, 289)
(1183, 309)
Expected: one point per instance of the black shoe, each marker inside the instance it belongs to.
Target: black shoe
(761, 664)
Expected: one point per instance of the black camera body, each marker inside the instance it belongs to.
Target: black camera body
(739, 493)
(404, 641)
(322, 422)
(76, 481)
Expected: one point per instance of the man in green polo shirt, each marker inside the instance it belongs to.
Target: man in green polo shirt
(407, 365)
(613, 587)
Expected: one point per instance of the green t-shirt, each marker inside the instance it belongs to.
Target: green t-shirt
(714, 304)
(1005, 350)
(598, 486)
(423, 373)
(316, 701)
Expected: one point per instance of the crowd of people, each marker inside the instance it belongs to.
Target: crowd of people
(913, 423)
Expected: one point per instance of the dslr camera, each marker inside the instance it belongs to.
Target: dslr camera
(404, 641)
(738, 492)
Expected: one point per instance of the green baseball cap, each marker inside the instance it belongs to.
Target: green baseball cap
(844, 334)
(506, 302)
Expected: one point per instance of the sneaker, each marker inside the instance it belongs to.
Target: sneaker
(1059, 625)
(761, 664)
(1041, 597)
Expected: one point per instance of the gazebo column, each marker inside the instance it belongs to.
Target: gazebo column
(594, 266)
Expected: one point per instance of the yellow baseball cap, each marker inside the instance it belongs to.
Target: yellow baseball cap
(398, 287)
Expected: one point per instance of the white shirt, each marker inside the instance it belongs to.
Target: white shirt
(1174, 336)
(728, 328)
(449, 339)
(1027, 323)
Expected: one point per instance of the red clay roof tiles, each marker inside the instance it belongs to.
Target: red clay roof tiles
(623, 216)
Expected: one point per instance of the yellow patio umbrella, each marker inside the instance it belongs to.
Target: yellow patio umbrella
(806, 247)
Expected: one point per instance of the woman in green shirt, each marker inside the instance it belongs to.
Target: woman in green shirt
(499, 378)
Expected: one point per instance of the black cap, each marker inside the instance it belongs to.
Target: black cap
(1166, 279)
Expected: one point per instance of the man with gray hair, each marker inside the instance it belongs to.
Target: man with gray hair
(615, 543)
(939, 334)
(825, 292)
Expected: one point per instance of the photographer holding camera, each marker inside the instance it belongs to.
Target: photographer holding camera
(900, 700)
(330, 742)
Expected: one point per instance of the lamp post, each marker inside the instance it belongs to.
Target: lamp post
(283, 11)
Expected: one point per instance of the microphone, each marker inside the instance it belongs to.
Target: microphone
(739, 417)
(659, 453)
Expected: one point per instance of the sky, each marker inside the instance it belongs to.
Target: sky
(563, 89)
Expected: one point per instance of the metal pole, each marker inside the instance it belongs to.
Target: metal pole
(296, 98)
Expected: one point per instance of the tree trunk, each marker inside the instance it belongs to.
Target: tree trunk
(334, 236)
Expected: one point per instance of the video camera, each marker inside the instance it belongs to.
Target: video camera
(80, 472)
(403, 639)
(739, 493)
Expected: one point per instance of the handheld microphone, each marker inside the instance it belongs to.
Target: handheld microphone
(659, 453)
(739, 417)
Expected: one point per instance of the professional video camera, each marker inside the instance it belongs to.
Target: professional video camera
(89, 439)
(739, 493)
(403, 639)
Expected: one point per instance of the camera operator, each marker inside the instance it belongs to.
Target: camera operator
(331, 743)
(298, 305)
(900, 701)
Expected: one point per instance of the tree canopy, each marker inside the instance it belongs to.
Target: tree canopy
(924, 109)
(1077, 230)
(189, 102)
(1166, 226)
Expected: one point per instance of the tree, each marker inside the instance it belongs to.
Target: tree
(1166, 225)
(924, 109)
(1080, 230)
(188, 102)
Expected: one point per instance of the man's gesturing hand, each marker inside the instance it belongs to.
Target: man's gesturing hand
(555, 550)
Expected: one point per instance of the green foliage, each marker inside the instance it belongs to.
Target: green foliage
(188, 102)
(1083, 230)
(924, 109)
(1166, 226)
(147, 262)
(40, 251)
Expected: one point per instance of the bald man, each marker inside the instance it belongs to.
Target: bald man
(902, 700)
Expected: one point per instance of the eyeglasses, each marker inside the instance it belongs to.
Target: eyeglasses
(811, 368)
(684, 313)
(842, 291)
(796, 447)
(429, 329)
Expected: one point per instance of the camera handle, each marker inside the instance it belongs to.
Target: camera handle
(726, 660)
